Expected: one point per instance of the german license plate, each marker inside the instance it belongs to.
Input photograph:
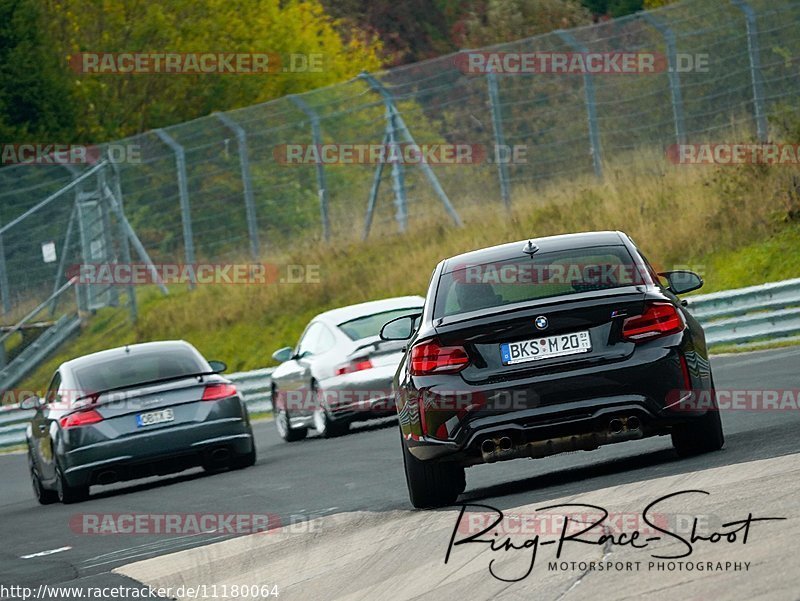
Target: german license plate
(155, 417)
(545, 348)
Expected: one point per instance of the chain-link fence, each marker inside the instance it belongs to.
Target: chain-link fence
(226, 186)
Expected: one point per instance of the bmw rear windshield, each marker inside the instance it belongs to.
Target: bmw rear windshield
(138, 367)
(473, 287)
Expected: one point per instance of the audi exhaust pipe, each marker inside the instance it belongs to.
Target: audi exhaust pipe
(107, 477)
(634, 423)
(220, 455)
(615, 426)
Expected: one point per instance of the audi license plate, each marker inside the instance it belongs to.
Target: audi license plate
(155, 417)
(545, 348)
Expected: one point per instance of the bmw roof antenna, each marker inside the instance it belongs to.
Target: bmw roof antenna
(530, 249)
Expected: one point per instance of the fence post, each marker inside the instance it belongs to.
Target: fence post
(57, 283)
(674, 76)
(756, 75)
(373, 192)
(499, 137)
(108, 241)
(398, 124)
(183, 191)
(116, 207)
(125, 247)
(4, 290)
(247, 182)
(62, 261)
(390, 141)
(591, 105)
(322, 187)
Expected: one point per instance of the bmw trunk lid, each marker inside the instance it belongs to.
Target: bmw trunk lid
(549, 335)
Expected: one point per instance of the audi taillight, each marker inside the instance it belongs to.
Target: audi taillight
(658, 319)
(432, 358)
(214, 392)
(353, 366)
(80, 418)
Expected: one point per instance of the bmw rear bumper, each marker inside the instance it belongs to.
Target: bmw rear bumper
(562, 412)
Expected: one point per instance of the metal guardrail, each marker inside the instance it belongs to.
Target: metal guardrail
(764, 312)
(13, 422)
(254, 386)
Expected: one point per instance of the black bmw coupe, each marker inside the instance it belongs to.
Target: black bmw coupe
(538, 347)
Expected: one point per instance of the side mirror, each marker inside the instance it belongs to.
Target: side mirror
(682, 281)
(400, 328)
(218, 366)
(284, 354)
(32, 402)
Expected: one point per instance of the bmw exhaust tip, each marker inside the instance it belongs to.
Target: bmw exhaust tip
(488, 448)
(634, 423)
(505, 444)
(615, 426)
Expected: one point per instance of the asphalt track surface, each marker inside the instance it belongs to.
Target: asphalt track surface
(359, 472)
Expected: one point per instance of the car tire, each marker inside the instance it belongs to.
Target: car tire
(327, 427)
(42, 494)
(432, 484)
(702, 435)
(69, 494)
(283, 423)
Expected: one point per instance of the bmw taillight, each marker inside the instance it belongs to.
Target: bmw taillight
(658, 319)
(214, 392)
(80, 418)
(432, 358)
(353, 366)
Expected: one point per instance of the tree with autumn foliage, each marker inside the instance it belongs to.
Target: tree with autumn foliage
(38, 39)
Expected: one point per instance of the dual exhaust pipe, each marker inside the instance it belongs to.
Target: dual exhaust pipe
(618, 428)
(619, 425)
(493, 448)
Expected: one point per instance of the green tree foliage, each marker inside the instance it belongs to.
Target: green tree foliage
(40, 94)
(35, 94)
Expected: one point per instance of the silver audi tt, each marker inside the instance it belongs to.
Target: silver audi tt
(141, 410)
